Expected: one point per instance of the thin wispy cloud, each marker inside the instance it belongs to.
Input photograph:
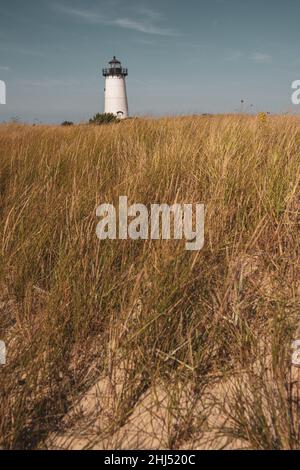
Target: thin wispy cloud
(147, 12)
(146, 22)
(261, 58)
(232, 55)
(4, 68)
(142, 27)
(83, 15)
(12, 48)
(48, 82)
(144, 41)
(226, 54)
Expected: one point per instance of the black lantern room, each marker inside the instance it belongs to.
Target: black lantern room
(115, 69)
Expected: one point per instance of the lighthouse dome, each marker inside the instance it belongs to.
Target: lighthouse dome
(114, 69)
(114, 61)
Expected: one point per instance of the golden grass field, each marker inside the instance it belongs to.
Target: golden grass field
(122, 344)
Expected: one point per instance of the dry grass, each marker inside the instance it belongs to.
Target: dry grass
(74, 309)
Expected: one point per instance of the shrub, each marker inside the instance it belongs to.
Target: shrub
(67, 123)
(103, 118)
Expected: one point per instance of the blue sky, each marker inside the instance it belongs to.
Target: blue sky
(192, 56)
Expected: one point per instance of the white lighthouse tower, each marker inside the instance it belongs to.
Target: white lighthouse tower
(115, 97)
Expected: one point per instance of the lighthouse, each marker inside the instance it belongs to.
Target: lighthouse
(115, 97)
